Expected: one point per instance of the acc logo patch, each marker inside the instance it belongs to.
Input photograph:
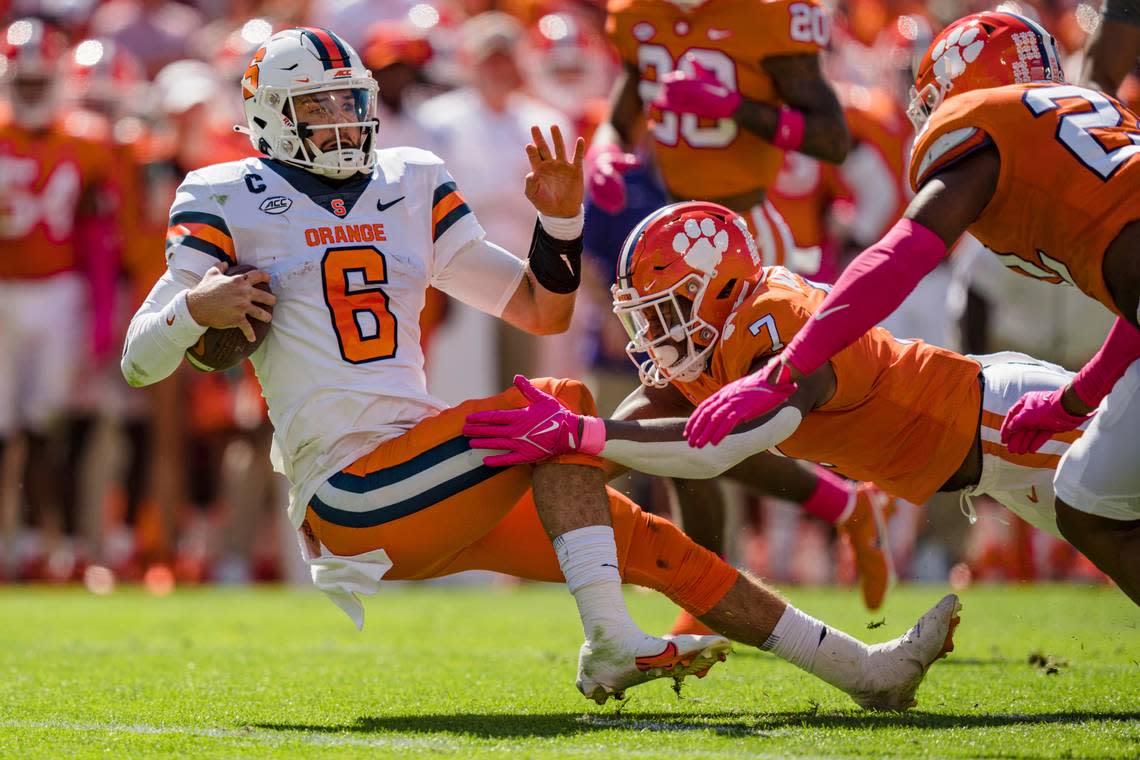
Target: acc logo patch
(278, 204)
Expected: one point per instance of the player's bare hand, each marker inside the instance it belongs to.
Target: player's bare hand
(224, 302)
(555, 184)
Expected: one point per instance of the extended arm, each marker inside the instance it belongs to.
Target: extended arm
(871, 288)
(536, 294)
(654, 446)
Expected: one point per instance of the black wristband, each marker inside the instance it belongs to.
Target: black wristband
(557, 264)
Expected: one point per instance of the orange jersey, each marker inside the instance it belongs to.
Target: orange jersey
(714, 158)
(904, 414)
(45, 176)
(1069, 180)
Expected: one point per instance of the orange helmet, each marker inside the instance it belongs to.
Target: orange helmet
(680, 274)
(988, 49)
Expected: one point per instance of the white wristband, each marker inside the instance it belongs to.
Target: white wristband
(563, 227)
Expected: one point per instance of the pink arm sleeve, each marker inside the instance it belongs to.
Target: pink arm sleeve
(1120, 349)
(870, 288)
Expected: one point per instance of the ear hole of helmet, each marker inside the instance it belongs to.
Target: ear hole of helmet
(726, 291)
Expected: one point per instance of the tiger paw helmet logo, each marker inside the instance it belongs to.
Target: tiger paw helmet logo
(951, 54)
(702, 244)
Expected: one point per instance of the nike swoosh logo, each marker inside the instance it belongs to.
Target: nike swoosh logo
(553, 426)
(382, 206)
(170, 320)
(832, 310)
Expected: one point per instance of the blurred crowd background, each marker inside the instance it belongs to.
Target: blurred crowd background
(171, 484)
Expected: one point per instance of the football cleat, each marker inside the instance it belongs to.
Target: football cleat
(866, 529)
(606, 669)
(895, 669)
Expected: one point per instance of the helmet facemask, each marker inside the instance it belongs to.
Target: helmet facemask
(660, 324)
(923, 103)
(302, 125)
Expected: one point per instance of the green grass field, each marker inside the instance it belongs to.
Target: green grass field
(489, 672)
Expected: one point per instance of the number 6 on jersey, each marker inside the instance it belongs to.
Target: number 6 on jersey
(365, 327)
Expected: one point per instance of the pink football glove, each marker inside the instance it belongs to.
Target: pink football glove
(1034, 419)
(739, 401)
(699, 93)
(604, 166)
(533, 433)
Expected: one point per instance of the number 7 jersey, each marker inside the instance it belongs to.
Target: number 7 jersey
(1069, 179)
(341, 368)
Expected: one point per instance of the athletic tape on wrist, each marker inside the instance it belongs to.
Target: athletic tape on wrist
(556, 264)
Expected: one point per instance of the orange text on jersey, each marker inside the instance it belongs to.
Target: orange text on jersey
(345, 233)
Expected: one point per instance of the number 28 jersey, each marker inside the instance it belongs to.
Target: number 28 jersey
(341, 369)
(713, 158)
(1069, 179)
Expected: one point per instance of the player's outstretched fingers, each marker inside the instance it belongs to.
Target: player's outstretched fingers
(559, 142)
(579, 153)
(540, 142)
(535, 161)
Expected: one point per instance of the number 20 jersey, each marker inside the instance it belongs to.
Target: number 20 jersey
(713, 158)
(1069, 180)
(341, 368)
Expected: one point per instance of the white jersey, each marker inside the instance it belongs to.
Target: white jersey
(341, 368)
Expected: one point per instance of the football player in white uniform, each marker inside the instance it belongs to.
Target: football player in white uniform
(384, 484)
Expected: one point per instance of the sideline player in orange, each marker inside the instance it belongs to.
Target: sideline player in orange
(910, 417)
(384, 484)
(55, 174)
(1045, 174)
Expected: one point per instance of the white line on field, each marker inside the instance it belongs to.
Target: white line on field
(330, 739)
(254, 734)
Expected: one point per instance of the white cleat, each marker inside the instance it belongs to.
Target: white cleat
(606, 669)
(895, 668)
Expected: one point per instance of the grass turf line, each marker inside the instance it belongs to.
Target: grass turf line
(484, 672)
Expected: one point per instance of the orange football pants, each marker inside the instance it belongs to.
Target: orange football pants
(439, 510)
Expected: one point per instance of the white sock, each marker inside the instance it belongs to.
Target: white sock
(823, 651)
(588, 558)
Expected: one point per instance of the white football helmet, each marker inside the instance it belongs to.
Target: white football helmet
(304, 61)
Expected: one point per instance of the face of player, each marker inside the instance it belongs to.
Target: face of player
(333, 107)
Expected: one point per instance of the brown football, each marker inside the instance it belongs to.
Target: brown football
(220, 349)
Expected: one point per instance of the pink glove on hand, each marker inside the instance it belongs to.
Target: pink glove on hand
(536, 432)
(699, 93)
(741, 400)
(604, 166)
(1034, 419)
